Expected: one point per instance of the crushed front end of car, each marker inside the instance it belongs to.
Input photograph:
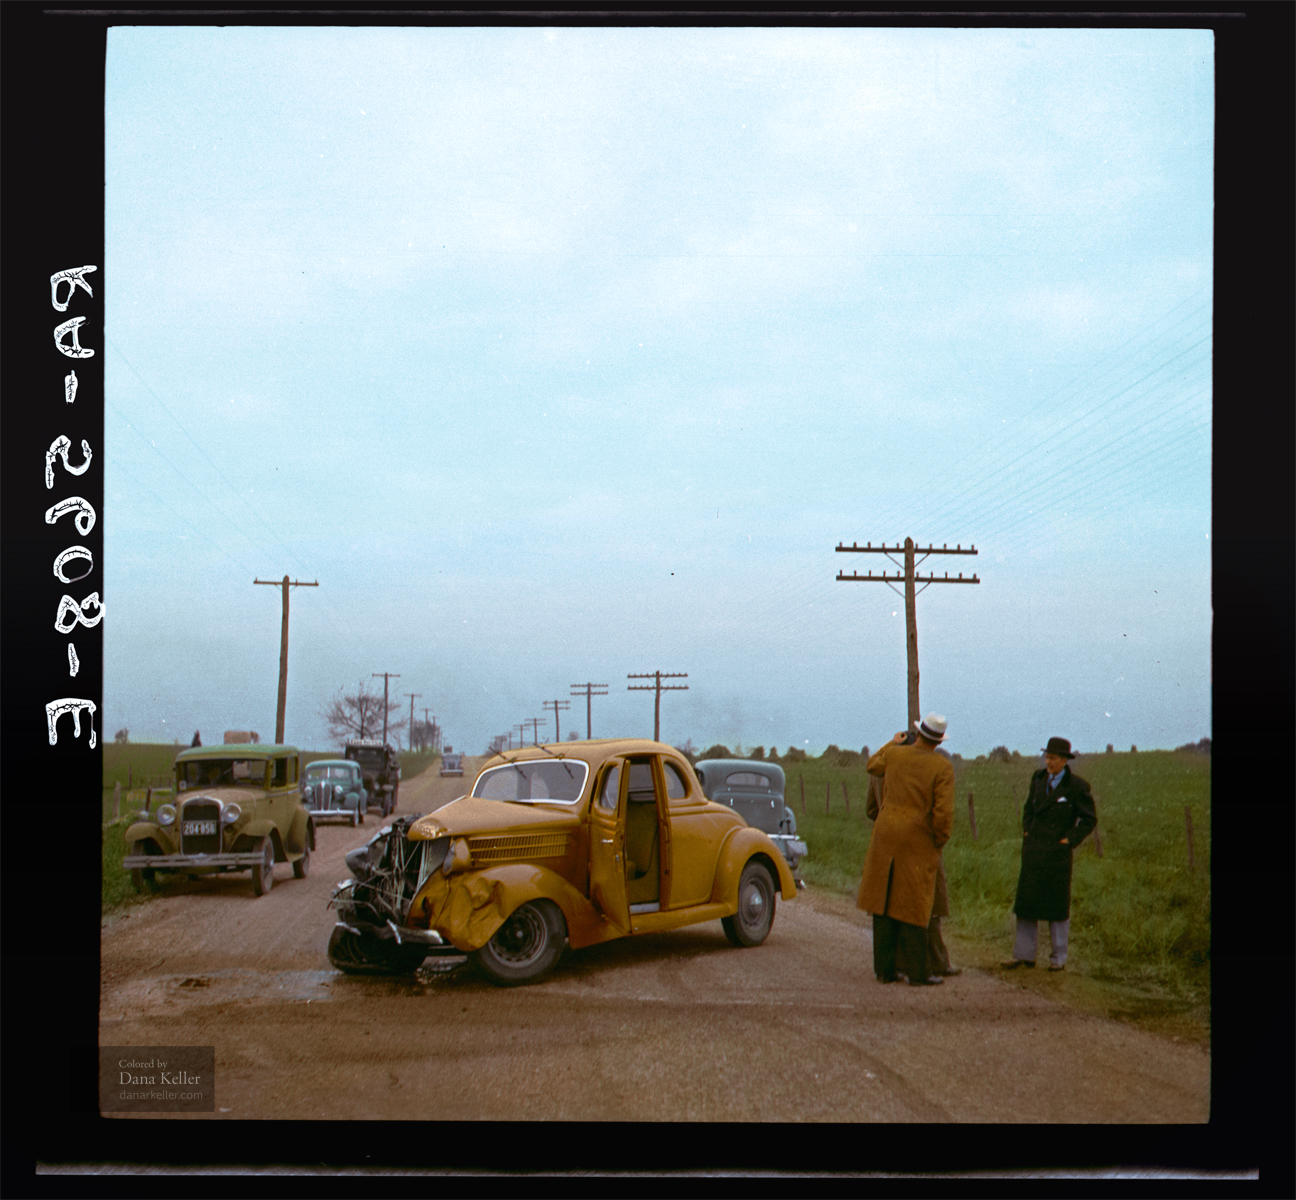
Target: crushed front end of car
(372, 936)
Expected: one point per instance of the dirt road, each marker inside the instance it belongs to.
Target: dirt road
(678, 1026)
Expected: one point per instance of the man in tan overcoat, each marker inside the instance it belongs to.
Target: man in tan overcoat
(938, 959)
(913, 823)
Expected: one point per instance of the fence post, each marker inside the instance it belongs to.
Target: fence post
(1188, 822)
(801, 781)
(827, 795)
(972, 816)
(846, 797)
(148, 799)
(117, 800)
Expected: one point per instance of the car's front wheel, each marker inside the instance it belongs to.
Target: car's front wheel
(751, 924)
(526, 947)
(142, 879)
(263, 872)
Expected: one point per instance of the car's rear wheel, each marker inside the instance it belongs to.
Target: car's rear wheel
(526, 947)
(355, 954)
(263, 872)
(301, 868)
(751, 924)
(143, 879)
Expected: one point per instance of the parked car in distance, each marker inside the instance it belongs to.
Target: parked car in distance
(237, 808)
(754, 790)
(333, 789)
(380, 766)
(452, 764)
(557, 847)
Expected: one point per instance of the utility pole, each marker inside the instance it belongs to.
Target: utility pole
(554, 705)
(588, 689)
(535, 723)
(283, 651)
(909, 579)
(412, 695)
(521, 732)
(385, 676)
(657, 687)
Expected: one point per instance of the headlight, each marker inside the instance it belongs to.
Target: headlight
(457, 858)
(337, 789)
(166, 814)
(231, 814)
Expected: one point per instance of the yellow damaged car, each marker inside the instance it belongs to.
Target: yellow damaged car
(562, 845)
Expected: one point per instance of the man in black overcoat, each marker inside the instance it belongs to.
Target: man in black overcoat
(1058, 815)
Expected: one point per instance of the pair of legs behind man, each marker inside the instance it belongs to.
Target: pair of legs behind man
(909, 950)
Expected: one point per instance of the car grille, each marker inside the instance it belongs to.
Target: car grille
(200, 843)
(516, 847)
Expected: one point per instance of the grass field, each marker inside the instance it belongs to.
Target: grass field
(1138, 909)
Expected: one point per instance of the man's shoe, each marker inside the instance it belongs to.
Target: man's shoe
(951, 971)
(888, 979)
(1014, 963)
(1057, 966)
(930, 981)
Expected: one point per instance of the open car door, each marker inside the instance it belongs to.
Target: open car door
(607, 847)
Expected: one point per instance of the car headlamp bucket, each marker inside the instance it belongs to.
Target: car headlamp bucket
(231, 814)
(458, 857)
(166, 815)
(337, 790)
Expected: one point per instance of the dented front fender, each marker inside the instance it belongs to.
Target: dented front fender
(466, 909)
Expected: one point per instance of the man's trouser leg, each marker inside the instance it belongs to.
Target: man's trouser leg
(885, 932)
(1027, 940)
(911, 951)
(937, 956)
(1059, 935)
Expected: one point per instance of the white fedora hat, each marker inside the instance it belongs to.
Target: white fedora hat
(932, 727)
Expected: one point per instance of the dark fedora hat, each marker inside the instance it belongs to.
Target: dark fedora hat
(1059, 746)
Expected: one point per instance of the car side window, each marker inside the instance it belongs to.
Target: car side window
(607, 797)
(676, 787)
(280, 772)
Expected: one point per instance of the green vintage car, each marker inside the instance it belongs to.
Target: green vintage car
(237, 808)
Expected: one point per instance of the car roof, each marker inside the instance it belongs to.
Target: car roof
(772, 770)
(593, 752)
(332, 762)
(235, 750)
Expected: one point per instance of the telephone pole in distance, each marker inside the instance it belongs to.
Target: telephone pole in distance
(554, 705)
(657, 687)
(535, 723)
(385, 676)
(283, 650)
(588, 689)
(909, 579)
(412, 696)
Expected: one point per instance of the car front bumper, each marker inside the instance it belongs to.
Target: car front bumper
(189, 862)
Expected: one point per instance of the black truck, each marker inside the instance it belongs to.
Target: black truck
(380, 767)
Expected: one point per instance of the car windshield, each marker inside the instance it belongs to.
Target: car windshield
(340, 773)
(223, 772)
(558, 781)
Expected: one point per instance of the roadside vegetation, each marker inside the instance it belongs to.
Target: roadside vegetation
(1139, 914)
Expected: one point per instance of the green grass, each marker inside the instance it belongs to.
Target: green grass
(1139, 909)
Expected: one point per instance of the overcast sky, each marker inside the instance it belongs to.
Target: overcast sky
(560, 355)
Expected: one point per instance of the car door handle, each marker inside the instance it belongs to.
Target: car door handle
(607, 841)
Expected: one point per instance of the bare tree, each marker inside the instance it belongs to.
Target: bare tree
(360, 715)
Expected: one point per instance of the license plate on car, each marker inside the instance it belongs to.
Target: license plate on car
(193, 828)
